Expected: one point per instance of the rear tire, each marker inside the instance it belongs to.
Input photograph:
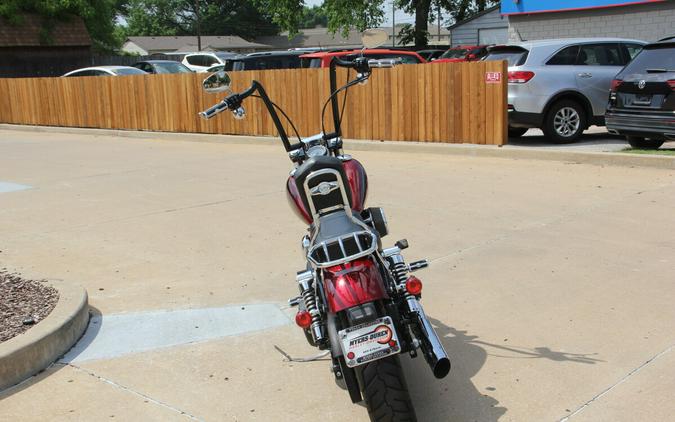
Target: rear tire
(386, 392)
(642, 143)
(565, 122)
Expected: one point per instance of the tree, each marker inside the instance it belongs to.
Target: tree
(178, 17)
(344, 15)
(98, 16)
(313, 16)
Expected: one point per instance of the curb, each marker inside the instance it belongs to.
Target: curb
(471, 150)
(29, 353)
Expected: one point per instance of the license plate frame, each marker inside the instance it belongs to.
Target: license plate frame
(642, 99)
(369, 341)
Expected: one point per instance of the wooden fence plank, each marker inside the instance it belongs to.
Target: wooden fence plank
(438, 102)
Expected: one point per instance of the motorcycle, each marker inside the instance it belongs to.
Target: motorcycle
(358, 300)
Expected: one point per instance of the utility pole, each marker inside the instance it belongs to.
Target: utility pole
(393, 23)
(199, 29)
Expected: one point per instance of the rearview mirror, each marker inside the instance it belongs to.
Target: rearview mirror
(372, 38)
(217, 82)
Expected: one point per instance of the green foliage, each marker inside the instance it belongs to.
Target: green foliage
(314, 16)
(98, 16)
(179, 17)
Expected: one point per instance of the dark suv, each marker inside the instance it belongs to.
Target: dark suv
(642, 98)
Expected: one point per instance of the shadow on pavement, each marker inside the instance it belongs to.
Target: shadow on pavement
(90, 333)
(456, 398)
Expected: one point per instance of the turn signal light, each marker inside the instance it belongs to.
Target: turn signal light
(671, 83)
(615, 84)
(303, 319)
(520, 76)
(413, 285)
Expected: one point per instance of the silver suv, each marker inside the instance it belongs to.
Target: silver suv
(562, 86)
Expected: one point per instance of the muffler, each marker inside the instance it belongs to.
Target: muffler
(431, 346)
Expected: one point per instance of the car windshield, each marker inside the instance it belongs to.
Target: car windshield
(171, 68)
(515, 57)
(405, 58)
(455, 53)
(127, 71)
(652, 58)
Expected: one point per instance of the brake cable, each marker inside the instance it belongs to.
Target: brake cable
(283, 114)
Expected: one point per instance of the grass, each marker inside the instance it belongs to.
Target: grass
(662, 151)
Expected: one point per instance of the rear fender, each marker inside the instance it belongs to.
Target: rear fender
(352, 284)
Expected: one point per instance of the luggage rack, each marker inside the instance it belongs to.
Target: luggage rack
(345, 248)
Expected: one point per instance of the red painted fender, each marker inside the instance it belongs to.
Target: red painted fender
(353, 283)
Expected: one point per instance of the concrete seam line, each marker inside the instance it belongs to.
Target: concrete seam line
(29, 353)
(616, 384)
(471, 150)
(134, 392)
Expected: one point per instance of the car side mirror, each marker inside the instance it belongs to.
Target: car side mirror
(470, 57)
(217, 82)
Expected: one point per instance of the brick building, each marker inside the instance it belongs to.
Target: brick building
(648, 20)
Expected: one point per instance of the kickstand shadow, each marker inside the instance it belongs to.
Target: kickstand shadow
(93, 327)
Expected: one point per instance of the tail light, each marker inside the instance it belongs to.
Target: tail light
(615, 84)
(303, 319)
(520, 76)
(413, 285)
(671, 84)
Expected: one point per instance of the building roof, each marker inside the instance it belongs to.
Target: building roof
(315, 37)
(70, 32)
(475, 16)
(189, 43)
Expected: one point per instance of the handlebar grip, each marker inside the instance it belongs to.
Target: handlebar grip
(383, 63)
(213, 110)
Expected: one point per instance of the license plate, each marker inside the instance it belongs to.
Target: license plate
(369, 341)
(642, 99)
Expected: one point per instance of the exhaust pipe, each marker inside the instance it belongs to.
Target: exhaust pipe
(431, 346)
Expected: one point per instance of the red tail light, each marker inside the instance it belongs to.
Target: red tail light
(303, 319)
(615, 84)
(520, 76)
(413, 285)
(671, 83)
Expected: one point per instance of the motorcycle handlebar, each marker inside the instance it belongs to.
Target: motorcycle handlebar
(213, 110)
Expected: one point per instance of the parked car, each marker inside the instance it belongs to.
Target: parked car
(463, 53)
(216, 68)
(162, 66)
(431, 54)
(199, 62)
(105, 71)
(322, 59)
(561, 86)
(266, 60)
(642, 97)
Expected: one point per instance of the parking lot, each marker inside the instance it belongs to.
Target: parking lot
(550, 282)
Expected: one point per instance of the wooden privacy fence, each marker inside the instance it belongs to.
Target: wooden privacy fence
(449, 102)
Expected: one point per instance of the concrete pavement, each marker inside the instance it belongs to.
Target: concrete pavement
(550, 282)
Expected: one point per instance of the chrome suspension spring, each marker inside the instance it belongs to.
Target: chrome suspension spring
(400, 271)
(309, 297)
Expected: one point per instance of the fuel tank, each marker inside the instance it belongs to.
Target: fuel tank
(352, 283)
(358, 184)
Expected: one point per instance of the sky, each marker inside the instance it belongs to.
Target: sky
(401, 17)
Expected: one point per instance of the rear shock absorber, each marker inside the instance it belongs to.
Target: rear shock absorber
(306, 281)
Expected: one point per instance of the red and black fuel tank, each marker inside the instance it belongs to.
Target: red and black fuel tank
(353, 283)
(358, 184)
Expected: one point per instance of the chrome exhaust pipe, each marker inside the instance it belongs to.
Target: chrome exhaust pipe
(431, 345)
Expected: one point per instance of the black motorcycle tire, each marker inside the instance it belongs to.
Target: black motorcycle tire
(386, 392)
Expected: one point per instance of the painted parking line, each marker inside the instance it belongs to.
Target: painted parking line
(111, 336)
(6, 187)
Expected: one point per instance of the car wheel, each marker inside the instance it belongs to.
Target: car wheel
(642, 143)
(565, 122)
(517, 132)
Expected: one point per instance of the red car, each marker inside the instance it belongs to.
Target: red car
(323, 58)
(463, 53)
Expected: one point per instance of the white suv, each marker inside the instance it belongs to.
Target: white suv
(200, 62)
(562, 86)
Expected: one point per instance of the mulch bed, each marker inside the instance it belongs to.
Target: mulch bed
(23, 303)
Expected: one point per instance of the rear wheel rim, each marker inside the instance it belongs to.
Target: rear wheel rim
(566, 122)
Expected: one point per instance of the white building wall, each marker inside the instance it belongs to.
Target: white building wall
(648, 22)
(467, 33)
